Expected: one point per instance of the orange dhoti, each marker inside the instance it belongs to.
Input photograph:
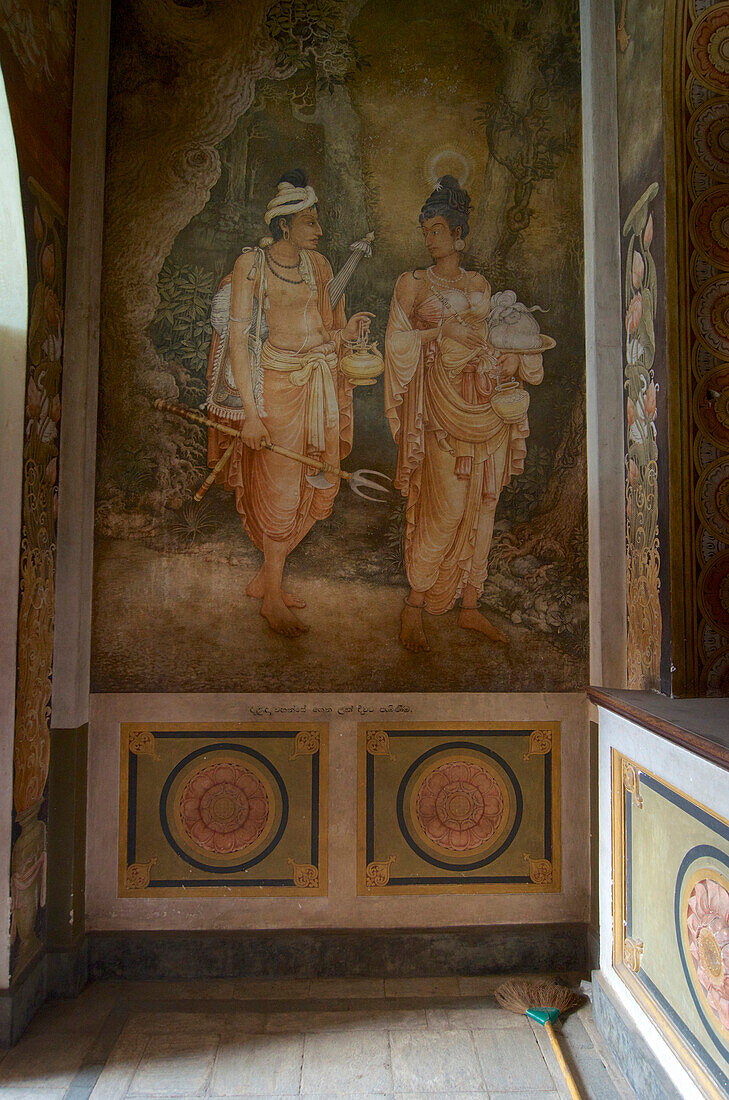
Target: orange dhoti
(308, 409)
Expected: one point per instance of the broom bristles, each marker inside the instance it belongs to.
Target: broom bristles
(519, 994)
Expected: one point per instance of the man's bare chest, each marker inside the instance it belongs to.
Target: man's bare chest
(291, 297)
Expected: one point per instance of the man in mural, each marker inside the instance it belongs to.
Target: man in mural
(290, 387)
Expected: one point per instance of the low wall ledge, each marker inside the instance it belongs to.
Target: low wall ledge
(699, 725)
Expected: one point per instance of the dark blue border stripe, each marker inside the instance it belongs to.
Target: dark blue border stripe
(460, 880)
(223, 733)
(314, 858)
(370, 808)
(237, 868)
(462, 733)
(477, 864)
(684, 804)
(167, 882)
(691, 1039)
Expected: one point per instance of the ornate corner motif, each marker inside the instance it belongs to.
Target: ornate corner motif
(540, 870)
(307, 743)
(378, 873)
(138, 875)
(378, 744)
(631, 782)
(540, 743)
(141, 743)
(305, 875)
(632, 954)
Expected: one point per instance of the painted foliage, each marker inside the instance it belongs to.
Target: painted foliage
(208, 110)
(36, 51)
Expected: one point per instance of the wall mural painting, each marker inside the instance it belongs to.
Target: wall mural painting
(37, 575)
(702, 131)
(36, 54)
(342, 392)
(672, 917)
(641, 452)
(223, 810)
(459, 809)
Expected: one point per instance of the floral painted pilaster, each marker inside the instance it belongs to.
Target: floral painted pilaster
(641, 453)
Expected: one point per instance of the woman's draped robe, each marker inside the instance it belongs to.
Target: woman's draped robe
(308, 409)
(455, 455)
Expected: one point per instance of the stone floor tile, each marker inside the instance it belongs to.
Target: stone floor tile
(435, 1095)
(84, 1016)
(586, 1064)
(421, 987)
(596, 1081)
(485, 1015)
(268, 989)
(347, 1065)
(31, 1094)
(44, 1061)
(524, 1096)
(175, 1064)
(479, 986)
(258, 1064)
(347, 987)
(116, 1076)
(359, 1019)
(511, 1060)
(574, 1032)
(429, 1062)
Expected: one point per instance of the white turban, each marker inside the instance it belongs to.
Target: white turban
(289, 200)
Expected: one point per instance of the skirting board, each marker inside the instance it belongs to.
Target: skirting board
(54, 975)
(637, 1061)
(500, 949)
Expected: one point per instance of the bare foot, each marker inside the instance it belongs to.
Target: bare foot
(412, 634)
(256, 590)
(471, 619)
(281, 620)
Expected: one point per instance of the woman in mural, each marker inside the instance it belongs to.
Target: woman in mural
(458, 445)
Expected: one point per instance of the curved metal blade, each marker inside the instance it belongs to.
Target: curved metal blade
(359, 480)
(319, 480)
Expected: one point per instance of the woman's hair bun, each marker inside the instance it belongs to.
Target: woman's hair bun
(450, 201)
(296, 177)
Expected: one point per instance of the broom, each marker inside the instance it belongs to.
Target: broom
(544, 1001)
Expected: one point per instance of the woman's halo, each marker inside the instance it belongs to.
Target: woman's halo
(449, 162)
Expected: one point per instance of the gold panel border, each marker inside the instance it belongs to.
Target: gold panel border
(131, 730)
(552, 887)
(622, 957)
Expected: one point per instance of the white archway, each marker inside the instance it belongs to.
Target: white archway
(13, 339)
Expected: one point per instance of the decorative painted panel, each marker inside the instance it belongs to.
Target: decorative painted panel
(671, 916)
(223, 810)
(459, 808)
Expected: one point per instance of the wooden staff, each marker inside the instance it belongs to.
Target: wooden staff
(198, 418)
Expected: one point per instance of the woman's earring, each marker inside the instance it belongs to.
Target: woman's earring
(459, 245)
